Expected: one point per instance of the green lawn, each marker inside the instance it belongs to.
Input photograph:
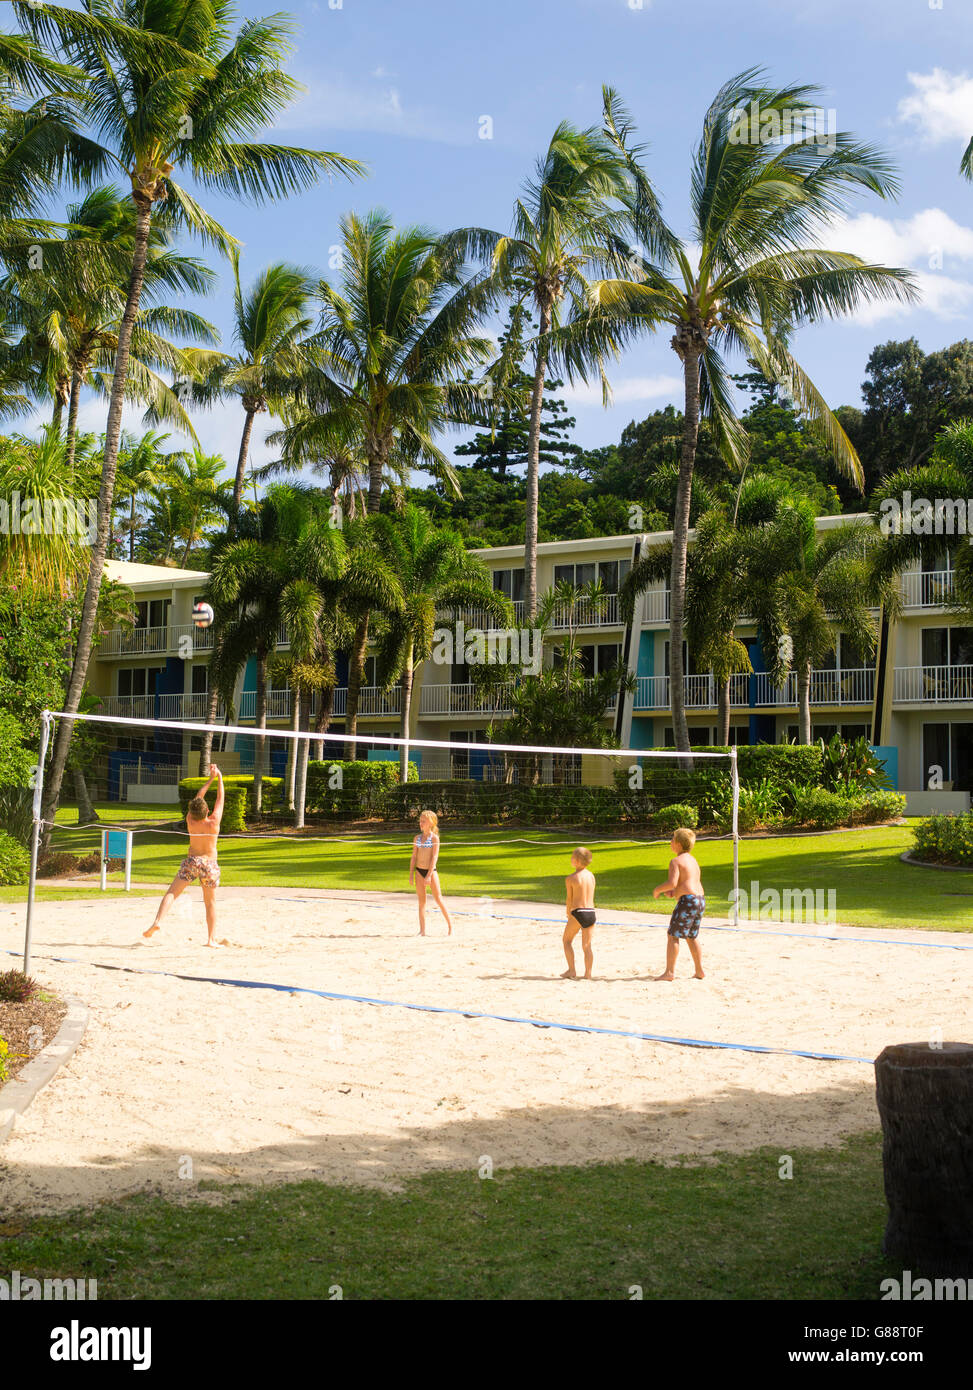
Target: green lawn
(730, 1229)
(873, 887)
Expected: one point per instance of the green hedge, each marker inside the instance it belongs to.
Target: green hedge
(352, 789)
(945, 839)
(235, 804)
(14, 861)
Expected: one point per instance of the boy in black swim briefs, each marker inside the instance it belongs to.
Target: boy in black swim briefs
(580, 887)
(685, 884)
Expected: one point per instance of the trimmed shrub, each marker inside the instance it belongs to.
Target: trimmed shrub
(234, 807)
(945, 839)
(14, 861)
(820, 809)
(16, 987)
(879, 806)
(672, 818)
(354, 790)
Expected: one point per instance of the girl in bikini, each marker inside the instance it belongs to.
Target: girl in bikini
(422, 868)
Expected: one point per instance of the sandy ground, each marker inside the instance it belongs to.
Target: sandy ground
(179, 1081)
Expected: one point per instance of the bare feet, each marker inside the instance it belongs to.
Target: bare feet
(568, 975)
(213, 942)
(151, 932)
(699, 975)
(664, 976)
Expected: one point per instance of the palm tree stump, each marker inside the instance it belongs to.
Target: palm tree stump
(925, 1100)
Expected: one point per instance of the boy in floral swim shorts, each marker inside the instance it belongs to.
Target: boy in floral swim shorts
(201, 860)
(685, 884)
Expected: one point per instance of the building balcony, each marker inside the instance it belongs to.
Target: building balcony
(373, 703)
(193, 708)
(175, 640)
(757, 692)
(468, 699)
(933, 685)
(926, 588)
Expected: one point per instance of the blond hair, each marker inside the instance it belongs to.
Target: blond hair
(430, 815)
(684, 838)
(582, 855)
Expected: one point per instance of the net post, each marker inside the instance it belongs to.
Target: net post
(735, 777)
(35, 833)
(405, 760)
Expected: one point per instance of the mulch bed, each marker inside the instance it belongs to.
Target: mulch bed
(16, 1022)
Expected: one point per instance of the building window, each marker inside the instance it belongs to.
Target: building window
(200, 679)
(510, 582)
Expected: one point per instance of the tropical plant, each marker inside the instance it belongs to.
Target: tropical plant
(564, 225)
(760, 201)
(171, 85)
(394, 350)
(436, 574)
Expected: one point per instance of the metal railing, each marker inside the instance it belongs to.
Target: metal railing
(128, 706)
(586, 612)
(192, 707)
(933, 685)
(134, 641)
(756, 691)
(467, 699)
(926, 588)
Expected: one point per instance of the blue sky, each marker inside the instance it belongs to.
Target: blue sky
(403, 87)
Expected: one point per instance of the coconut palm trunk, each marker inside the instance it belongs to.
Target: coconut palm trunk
(241, 463)
(408, 681)
(96, 567)
(87, 814)
(260, 741)
(71, 436)
(206, 751)
(723, 711)
(292, 751)
(302, 750)
(533, 471)
(680, 542)
(356, 667)
(325, 715)
(804, 702)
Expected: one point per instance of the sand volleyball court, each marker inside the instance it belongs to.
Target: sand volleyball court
(179, 1081)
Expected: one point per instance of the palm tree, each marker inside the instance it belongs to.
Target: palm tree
(966, 166)
(191, 495)
(71, 308)
(41, 559)
(394, 351)
(813, 585)
(270, 322)
(143, 468)
(170, 85)
(754, 275)
(563, 228)
(436, 572)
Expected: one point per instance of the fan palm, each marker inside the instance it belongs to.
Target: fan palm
(759, 207)
(166, 85)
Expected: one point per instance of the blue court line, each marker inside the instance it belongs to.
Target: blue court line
(467, 1013)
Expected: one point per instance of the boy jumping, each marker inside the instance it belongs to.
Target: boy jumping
(684, 883)
(201, 861)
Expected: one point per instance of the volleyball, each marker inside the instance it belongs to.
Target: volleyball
(202, 615)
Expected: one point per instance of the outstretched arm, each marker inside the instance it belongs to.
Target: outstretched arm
(220, 797)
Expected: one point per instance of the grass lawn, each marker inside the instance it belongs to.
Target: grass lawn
(873, 887)
(731, 1229)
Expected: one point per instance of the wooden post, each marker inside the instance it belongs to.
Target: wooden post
(925, 1100)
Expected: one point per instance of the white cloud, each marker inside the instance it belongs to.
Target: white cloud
(940, 105)
(635, 388)
(340, 104)
(930, 244)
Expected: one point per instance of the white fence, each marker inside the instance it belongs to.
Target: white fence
(933, 685)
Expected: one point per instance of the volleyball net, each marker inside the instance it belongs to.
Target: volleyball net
(293, 785)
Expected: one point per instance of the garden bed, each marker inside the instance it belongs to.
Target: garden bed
(45, 1011)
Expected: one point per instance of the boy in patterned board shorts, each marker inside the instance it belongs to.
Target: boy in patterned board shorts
(201, 860)
(686, 885)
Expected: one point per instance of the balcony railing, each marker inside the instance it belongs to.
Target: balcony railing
(926, 588)
(586, 613)
(134, 641)
(467, 699)
(933, 685)
(128, 706)
(373, 702)
(191, 707)
(757, 691)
